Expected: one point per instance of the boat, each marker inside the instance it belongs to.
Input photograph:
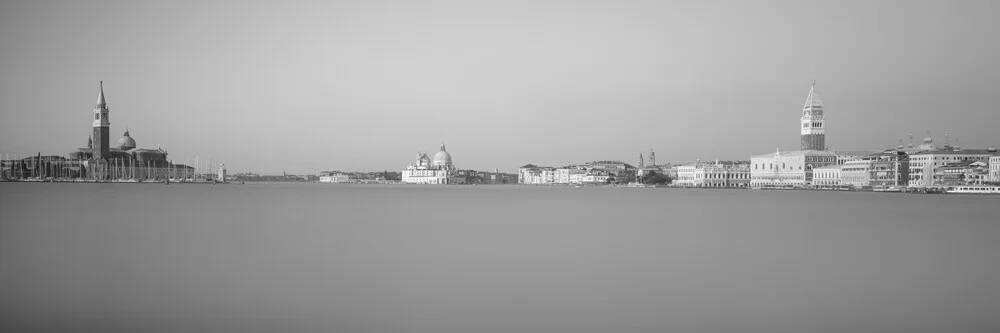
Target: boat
(974, 189)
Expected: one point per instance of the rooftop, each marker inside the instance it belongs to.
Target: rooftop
(799, 153)
(958, 152)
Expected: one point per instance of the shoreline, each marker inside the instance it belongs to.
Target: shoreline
(901, 190)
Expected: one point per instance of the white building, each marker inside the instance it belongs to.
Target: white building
(335, 178)
(536, 175)
(826, 176)
(995, 169)
(856, 173)
(440, 170)
(924, 164)
(788, 168)
(716, 174)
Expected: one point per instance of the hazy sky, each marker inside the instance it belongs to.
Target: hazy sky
(363, 85)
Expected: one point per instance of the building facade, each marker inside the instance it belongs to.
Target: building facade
(826, 176)
(335, 178)
(924, 165)
(995, 169)
(535, 175)
(890, 169)
(813, 122)
(424, 170)
(968, 172)
(856, 173)
(789, 168)
(717, 174)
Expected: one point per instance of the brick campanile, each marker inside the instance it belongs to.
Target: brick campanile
(102, 127)
(813, 123)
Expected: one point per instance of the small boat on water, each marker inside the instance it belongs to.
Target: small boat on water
(974, 189)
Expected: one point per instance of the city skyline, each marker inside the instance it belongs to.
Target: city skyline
(303, 92)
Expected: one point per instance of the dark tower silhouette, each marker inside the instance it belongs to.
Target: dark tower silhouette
(101, 127)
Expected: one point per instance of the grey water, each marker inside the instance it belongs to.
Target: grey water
(393, 258)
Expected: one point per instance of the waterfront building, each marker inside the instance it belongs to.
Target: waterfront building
(788, 168)
(424, 170)
(968, 172)
(890, 168)
(569, 175)
(529, 174)
(924, 164)
(718, 174)
(536, 175)
(994, 167)
(827, 175)
(856, 173)
(813, 122)
(335, 178)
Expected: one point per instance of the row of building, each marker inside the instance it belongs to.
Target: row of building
(923, 165)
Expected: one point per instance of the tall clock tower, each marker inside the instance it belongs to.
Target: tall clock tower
(101, 127)
(813, 124)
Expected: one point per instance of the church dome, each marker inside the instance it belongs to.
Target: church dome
(442, 158)
(126, 142)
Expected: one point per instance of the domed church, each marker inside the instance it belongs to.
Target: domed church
(104, 161)
(424, 170)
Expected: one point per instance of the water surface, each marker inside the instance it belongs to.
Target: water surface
(384, 258)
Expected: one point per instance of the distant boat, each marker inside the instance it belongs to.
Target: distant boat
(974, 189)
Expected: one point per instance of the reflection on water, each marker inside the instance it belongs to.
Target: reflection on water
(342, 258)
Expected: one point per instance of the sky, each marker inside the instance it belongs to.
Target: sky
(305, 86)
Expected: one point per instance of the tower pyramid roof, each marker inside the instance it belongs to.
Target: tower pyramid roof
(813, 100)
(100, 98)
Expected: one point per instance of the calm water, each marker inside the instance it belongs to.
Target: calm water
(385, 259)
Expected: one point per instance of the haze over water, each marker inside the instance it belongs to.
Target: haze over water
(349, 258)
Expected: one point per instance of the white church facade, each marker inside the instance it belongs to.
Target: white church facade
(438, 170)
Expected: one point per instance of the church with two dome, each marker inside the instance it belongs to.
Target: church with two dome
(438, 170)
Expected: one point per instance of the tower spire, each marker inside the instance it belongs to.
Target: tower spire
(101, 102)
(813, 100)
(813, 130)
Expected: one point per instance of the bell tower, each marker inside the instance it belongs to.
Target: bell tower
(101, 127)
(813, 124)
